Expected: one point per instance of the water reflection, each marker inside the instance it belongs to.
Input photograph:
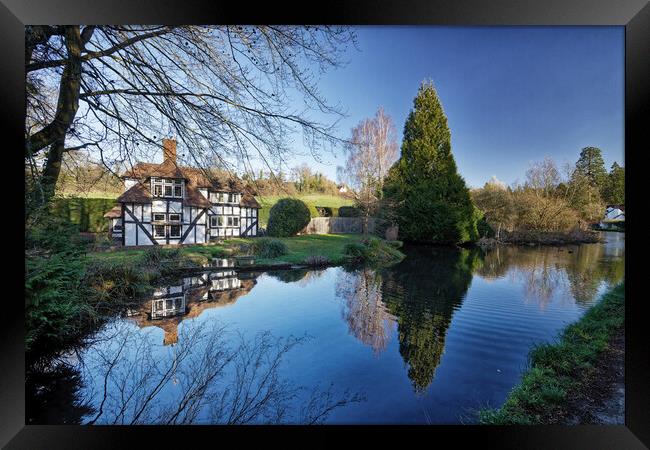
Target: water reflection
(570, 272)
(483, 311)
(365, 312)
(170, 305)
(422, 292)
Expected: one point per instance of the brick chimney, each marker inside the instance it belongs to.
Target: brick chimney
(169, 150)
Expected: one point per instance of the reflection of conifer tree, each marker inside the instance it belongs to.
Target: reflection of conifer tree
(366, 315)
(423, 291)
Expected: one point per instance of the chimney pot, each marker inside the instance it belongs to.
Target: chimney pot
(169, 150)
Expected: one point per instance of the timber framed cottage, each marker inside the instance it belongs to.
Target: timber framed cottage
(170, 204)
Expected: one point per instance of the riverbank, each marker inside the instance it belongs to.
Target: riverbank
(573, 237)
(328, 249)
(572, 380)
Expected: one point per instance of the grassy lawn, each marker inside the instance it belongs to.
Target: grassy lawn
(329, 245)
(560, 371)
(333, 201)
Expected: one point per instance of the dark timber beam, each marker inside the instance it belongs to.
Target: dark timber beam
(139, 224)
(191, 226)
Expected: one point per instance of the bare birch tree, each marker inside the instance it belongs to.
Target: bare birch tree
(370, 153)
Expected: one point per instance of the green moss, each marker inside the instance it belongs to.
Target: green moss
(558, 369)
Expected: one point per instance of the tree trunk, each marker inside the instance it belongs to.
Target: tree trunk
(365, 225)
(52, 169)
(68, 101)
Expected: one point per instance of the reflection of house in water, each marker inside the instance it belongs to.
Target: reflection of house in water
(170, 305)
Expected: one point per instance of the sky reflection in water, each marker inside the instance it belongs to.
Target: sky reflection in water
(429, 340)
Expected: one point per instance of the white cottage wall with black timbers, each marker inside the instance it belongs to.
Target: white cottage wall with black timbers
(168, 204)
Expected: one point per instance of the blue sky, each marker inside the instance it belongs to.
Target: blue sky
(512, 95)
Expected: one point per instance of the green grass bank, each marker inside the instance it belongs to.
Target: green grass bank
(559, 371)
(335, 247)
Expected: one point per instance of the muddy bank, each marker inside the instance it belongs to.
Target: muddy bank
(604, 402)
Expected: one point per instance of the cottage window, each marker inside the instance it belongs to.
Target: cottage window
(178, 188)
(159, 217)
(174, 231)
(168, 191)
(179, 302)
(159, 231)
(157, 190)
(159, 305)
(229, 221)
(174, 217)
(235, 221)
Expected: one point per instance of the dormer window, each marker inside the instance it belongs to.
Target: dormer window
(167, 187)
(224, 197)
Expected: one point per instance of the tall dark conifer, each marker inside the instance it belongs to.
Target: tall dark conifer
(430, 200)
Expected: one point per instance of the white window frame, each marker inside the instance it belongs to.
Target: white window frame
(159, 187)
(153, 217)
(174, 220)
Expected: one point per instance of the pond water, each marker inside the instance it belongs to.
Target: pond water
(429, 340)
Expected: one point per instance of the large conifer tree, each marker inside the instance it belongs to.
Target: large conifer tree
(590, 164)
(427, 195)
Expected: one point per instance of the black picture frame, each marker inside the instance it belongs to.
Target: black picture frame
(634, 15)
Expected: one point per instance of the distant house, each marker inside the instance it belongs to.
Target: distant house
(615, 212)
(171, 204)
(614, 216)
(342, 188)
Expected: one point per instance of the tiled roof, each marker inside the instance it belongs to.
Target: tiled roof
(194, 198)
(248, 201)
(219, 181)
(138, 193)
(114, 213)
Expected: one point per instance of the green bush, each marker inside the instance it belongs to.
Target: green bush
(268, 248)
(356, 250)
(287, 217)
(484, 228)
(395, 244)
(349, 211)
(373, 251)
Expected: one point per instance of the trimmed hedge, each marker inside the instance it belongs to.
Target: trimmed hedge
(87, 213)
(287, 217)
(349, 211)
